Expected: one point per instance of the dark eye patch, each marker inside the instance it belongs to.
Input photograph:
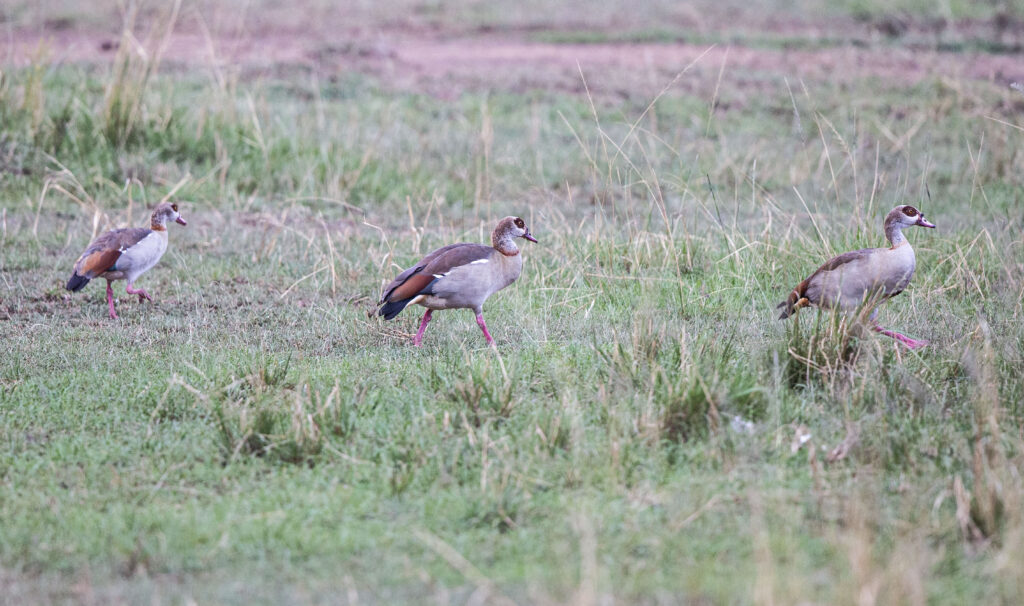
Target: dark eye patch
(910, 211)
(519, 223)
(174, 207)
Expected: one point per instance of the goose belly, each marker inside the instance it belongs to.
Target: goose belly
(142, 256)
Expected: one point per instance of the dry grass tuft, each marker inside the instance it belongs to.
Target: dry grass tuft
(134, 66)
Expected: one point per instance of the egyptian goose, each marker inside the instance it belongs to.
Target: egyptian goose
(125, 254)
(459, 276)
(870, 274)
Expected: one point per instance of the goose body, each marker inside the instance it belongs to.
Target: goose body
(125, 254)
(845, 281)
(459, 276)
(868, 275)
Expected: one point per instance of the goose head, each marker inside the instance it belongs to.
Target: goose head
(166, 212)
(908, 216)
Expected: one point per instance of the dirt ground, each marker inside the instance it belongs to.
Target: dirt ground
(409, 54)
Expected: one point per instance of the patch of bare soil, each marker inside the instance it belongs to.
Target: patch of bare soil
(446, 63)
(629, 68)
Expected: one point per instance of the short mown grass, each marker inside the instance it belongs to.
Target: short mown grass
(646, 430)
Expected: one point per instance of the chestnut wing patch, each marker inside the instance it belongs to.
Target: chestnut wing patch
(104, 251)
(95, 263)
(416, 284)
(421, 278)
(415, 269)
(418, 279)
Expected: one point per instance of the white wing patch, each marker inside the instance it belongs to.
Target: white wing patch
(478, 261)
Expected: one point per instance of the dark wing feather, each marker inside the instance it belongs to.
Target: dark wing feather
(457, 256)
(797, 298)
(102, 253)
(128, 237)
(420, 278)
(415, 269)
(414, 280)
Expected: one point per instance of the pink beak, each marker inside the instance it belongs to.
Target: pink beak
(183, 222)
(529, 237)
(924, 222)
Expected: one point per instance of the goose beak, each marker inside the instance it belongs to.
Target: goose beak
(529, 236)
(924, 222)
(183, 222)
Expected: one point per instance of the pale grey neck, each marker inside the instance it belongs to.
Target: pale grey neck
(504, 243)
(894, 233)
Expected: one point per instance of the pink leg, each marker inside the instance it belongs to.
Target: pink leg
(483, 326)
(110, 301)
(911, 343)
(418, 339)
(138, 291)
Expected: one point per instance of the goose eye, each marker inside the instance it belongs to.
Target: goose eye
(174, 207)
(910, 211)
(519, 223)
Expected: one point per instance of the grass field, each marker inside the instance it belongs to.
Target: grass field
(645, 432)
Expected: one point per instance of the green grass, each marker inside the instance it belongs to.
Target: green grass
(254, 433)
